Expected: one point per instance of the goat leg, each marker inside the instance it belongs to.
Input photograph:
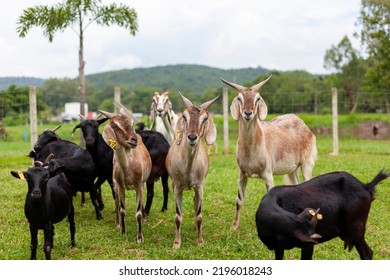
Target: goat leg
(242, 181)
(48, 245)
(139, 214)
(198, 201)
(33, 242)
(178, 219)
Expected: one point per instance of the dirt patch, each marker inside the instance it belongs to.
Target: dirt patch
(379, 130)
(373, 130)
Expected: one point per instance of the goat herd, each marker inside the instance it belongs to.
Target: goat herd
(317, 210)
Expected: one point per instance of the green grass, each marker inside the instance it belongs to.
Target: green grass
(102, 240)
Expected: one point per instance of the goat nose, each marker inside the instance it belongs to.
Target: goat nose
(36, 193)
(192, 137)
(248, 113)
(159, 110)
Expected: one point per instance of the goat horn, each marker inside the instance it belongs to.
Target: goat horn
(233, 85)
(54, 129)
(74, 128)
(82, 117)
(99, 115)
(186, 101)
(107, 114)
(259, 85)
(207, 104)
(38, 163)
(49, 158)
(315, 218)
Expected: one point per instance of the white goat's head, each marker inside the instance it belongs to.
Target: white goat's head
(248, 103)
(161, 104)
(119, 132)
(195, 123)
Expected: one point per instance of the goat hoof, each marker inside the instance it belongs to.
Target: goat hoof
(234, 227)
(101, 207)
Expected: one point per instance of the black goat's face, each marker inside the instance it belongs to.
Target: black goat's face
(37, 178)
(90, 129)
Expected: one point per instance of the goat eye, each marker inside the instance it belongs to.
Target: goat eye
(114, 126)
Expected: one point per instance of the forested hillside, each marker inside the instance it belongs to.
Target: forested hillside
(182, 77)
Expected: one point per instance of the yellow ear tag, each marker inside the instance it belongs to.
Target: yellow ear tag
(319, 216)
(111, 143)
(312, 212)
(21, 176)
(178, 134)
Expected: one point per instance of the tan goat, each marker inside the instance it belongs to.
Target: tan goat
(187, 161)
(280, 146)
(131, 165)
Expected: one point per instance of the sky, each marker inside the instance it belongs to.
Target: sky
(278, 34)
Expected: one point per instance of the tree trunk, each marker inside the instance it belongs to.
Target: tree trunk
(81, 79)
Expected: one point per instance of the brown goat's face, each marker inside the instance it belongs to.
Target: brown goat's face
(249, 104)
(122, 126)
(195, 122)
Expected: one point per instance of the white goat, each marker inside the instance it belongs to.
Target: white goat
(131, 165)
(280, 146)
(187, 161)
(161, 112)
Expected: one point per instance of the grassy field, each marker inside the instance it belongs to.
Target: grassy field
(101, 240)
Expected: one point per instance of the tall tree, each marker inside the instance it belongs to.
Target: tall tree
(78, 15)
(350, 68)
(375, 35)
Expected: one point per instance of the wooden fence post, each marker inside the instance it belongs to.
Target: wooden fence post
(33, 116)
(225, 121)
(335, 123)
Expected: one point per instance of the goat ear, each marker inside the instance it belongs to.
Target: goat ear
(102, 120)
(110, 138)
(211, 132)
(152, 115)
(262, 110)
(19, 174)
(179, 130)
(57, 171)
(234, 110)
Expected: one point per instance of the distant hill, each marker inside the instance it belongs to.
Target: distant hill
(5, 82)
(181, 77)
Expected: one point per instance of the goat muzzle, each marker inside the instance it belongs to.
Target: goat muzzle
(192, 139)
(248, 116)
(132, 143)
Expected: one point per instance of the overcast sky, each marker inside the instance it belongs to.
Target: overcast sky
(274, 34)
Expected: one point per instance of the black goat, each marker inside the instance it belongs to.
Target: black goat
(158, 148)
(48, 201)
(101, 153)
(344, 202)
(81, 171)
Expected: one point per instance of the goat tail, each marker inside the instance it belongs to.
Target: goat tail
(382, 175)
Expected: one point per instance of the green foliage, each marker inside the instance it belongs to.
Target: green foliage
(375, 35)
(14, 107)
